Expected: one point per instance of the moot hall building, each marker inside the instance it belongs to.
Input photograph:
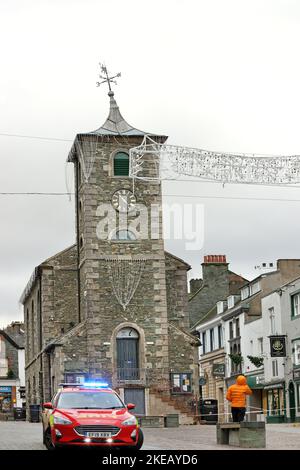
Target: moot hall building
(113, 306)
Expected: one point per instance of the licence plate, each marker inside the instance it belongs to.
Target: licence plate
(98, 434)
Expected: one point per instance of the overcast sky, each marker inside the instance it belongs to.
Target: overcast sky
(212, 74)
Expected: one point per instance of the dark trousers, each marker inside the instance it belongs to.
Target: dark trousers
(238, 414)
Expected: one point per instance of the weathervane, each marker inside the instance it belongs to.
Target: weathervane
(106, 78)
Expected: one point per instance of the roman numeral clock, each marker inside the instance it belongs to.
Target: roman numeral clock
(123, 200)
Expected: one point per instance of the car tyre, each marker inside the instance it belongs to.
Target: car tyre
(140, 440)
(48, 440)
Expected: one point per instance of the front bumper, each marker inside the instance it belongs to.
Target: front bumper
(63, 436)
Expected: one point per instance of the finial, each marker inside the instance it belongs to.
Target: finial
(106, 78)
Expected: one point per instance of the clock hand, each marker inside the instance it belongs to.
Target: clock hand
(124, 200)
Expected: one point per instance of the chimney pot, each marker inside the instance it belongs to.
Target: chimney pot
(214, 259)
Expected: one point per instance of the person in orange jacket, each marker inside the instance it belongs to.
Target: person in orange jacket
(236, 394)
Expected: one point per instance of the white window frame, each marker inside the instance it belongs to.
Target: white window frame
(230, 301)
(296, 305)
(220, 337)
(3, 367)
(275, 368)
(220, 307)
(254, 288)
(245, 293)
(212, 339)
(296, 353)
(272, 321)
(204, 342)
(260, 344)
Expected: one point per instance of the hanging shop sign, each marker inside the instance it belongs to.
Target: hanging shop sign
(22, 392)
(277, 346)
(202, 381)
(218, 370)
(296, 374)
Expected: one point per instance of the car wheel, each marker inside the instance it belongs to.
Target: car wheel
(140, 440)
(48, 440)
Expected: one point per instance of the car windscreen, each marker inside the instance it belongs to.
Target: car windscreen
(89, 400)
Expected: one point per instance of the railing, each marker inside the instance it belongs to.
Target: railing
(155, 378)
(130, 374)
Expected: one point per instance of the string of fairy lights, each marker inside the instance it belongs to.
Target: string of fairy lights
(181, 180)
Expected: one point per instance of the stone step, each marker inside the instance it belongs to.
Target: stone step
(185, 415)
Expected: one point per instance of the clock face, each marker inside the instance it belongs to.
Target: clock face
(123, 200)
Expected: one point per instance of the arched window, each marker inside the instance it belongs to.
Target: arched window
(121, 164)
(128, 354)
(123, 235)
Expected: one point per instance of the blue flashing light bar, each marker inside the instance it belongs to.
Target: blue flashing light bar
(96, 384)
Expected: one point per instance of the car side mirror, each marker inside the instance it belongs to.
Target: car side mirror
(130, 406)
(48, 405)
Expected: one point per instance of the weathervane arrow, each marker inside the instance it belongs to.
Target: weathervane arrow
(106, 78)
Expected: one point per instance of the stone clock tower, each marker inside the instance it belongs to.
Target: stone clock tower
(115, 233)
(114, 306)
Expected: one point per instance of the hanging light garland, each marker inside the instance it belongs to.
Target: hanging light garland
(175, 161)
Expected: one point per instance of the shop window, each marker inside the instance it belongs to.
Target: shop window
(181, 383)
(298, 395)
(275, 402)
(5, 398)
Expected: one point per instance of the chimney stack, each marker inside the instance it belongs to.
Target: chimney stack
(214, 259)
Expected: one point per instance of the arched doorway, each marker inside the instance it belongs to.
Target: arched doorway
(292, 402)
(128, 354)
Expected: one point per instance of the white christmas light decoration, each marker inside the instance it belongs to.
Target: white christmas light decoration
(125, 273)
(173, 162)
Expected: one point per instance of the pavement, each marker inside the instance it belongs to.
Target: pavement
(20, 435)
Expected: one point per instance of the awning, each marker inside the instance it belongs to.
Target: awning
(255, 381)
(273, 386)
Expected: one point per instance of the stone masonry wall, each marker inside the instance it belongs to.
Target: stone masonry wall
(57, 286)
(148, 308)
(215, 287)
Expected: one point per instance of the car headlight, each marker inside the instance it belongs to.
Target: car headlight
(60, 419)
(130, 421)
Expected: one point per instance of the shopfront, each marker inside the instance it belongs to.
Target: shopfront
(294, 405)
(255, 401)
(6, 399)
(275, 401)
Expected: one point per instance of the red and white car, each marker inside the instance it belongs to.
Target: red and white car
(89, 415)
